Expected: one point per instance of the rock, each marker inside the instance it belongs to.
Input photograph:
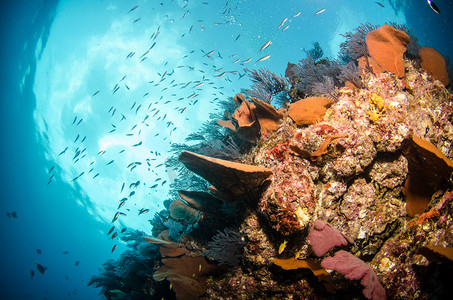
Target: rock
(289, 203)
(387, 46)
(239, 181)
(309, 110)
(434, 64)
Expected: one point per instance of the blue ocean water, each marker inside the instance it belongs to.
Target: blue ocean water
(57, 54)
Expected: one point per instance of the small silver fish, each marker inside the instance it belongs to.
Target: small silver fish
(247, 60)
(296, 15)
(263, 58)
(320, 11)
(220, 75)
(133, 8)
(209, 53)
(281, 24)
(286, 27)
(143, 211)
(267, 44)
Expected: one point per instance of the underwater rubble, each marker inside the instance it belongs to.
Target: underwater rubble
(343, 195)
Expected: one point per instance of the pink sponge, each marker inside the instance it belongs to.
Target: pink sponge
(324, 237)
(354, 268)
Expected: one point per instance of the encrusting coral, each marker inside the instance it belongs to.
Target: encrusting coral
(360, 185)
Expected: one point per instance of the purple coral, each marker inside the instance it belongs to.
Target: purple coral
(354, 268)
(324, 237)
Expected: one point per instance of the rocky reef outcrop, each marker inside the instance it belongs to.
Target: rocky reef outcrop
(374, 166)
(348, 194)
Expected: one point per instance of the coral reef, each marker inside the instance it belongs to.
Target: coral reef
(332, 198)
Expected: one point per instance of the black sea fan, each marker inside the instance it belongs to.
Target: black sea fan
(209, 130)
(107, 279)
(325, 87)
(350, 72)
(175, 229)
(130, 272)
(131, 262)
(281, 99)
(312, 77)
(355, 44)
(226, 247)
(266, 84)
(227, 149)
(316, 52)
